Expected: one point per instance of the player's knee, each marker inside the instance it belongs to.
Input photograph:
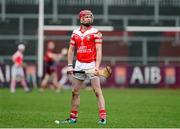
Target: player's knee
(75, 93)
(44, 84)
(55, 82)
(97, 93)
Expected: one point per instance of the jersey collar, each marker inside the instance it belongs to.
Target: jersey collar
(86, 30)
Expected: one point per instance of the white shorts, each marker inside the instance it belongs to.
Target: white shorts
(17, 71)
(79, 66)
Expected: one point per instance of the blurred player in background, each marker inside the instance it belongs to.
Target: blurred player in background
(17, 69)
(50, 67)
(64, 77)
(88, 42)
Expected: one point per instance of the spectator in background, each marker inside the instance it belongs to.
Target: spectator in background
(17, 69)
(31, 75)
(50, 59)
(65, 78)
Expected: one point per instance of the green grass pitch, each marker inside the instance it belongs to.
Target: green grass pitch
(126, 108)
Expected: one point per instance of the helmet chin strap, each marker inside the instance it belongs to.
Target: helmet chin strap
(87, 24)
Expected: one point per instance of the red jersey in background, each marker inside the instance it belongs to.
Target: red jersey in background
(18, 58)
(49, 62)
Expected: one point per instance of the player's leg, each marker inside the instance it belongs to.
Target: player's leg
(22, 79)
(34, 81)
(44, 82)
(76, 86)
(24, 84)
(13, 79)
(75, 101)
(64, 76)
(56, 85)
(95, 82)
(13, 85)
(63, 80)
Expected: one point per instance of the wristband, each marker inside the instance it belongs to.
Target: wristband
(69, 65)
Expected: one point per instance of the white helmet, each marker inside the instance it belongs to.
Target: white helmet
(21, 47)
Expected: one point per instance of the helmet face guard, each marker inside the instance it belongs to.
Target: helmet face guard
(84, 13)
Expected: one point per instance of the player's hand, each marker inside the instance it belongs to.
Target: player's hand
(70, 70)
(64, 51)
(96, 71)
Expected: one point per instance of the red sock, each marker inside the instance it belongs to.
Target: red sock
(102, 114)
(74, 114)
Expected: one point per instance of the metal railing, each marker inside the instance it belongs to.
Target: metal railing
(113, 60)
(105, 3)
(144, 40)
(74, 20)
(169, 3)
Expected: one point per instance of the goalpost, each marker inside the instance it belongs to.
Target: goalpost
(42, 28)
(40, 38)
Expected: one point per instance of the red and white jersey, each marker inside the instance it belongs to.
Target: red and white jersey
(18, 58)
(85, 42)
(47, 58)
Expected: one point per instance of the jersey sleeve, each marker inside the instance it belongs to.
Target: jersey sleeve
(98, 38)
